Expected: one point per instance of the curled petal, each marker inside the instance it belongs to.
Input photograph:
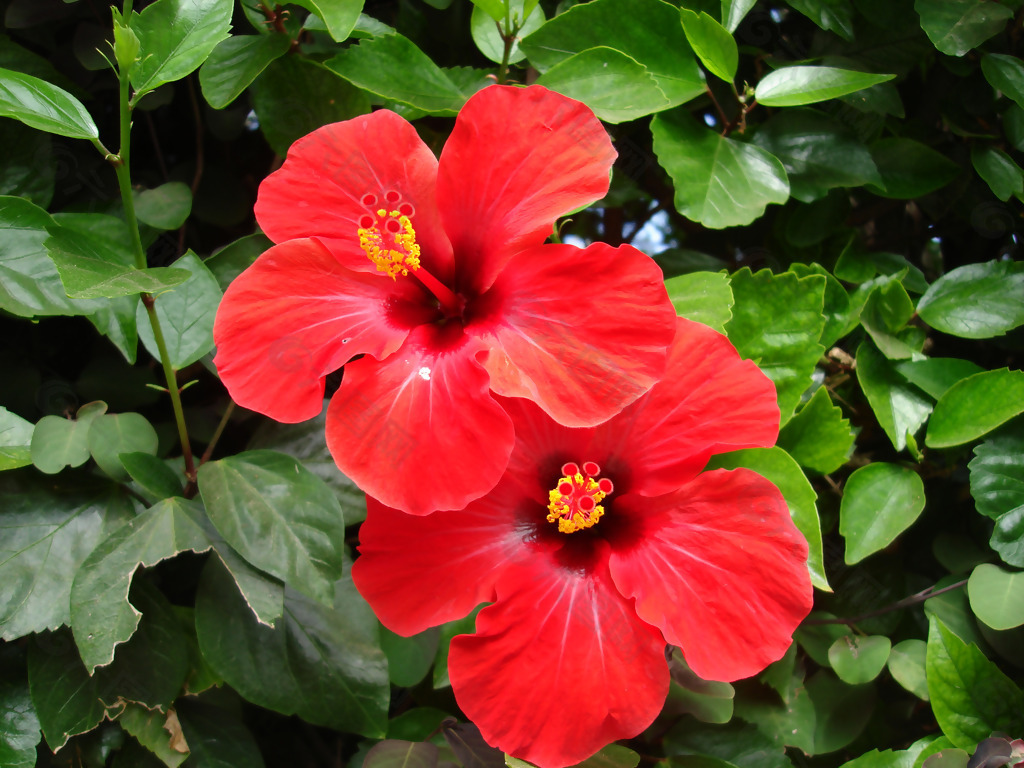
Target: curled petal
(296, 315)
(321, 189)
(517, 159)
(559, 666)
(719, 567)
(581, 333)
(420, 431)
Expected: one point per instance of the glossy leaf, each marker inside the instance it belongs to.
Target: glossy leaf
(937, 374)
(319, 662)
(58, 442)
(186, 314)
(340, 16)
(733, 12)
(235, 63)
(176, 38)
(907, 666)
(279, 516)
(997, 474)
(409, 658)
(818, 436)
(842, 711)
(834, 15)
(702, 296)
(957, 26)
(216, 736)
(713, 43)
(899, 408)
(101, 615)
(43, 106)
(970, 697)
(616, 87)
(778, 467)
(997, 596)
(707, 700)
(859, 659)
(164, 207)
(976, 301)
(1005, 73)
(19, 725)
(491, 43)
(910, 169)
(880, 501)
(885, 315)
(15, 440)
(777, 322)
(1003, 176)
(110, 435)
(798, 85)
(975, 406)
(154, 477)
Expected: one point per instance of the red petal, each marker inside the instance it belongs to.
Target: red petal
(296, 315)
(517, 159)
(418, 572)
(719, 567)
(420, 431)
(709, 401)
(583, 333)
(319, 190)
(559, 667)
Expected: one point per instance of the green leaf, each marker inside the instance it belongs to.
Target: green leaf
(818, 436)
(957, 26)
(236, 62)
(970, 697)
(880, 501)
(1005, 73)
(279, 516)
(262, 593)
(907, 666)
(612, 756)
(1008, 537)
(976, 301)
(648, 31)
(707, 700)
(713, 43)
(397, 753)
(186, 314)
(842, 711)
(409, 658)
(997, 596)
(975, 406)
(491, 43)
(837, 302)
(148, 729)
(19, 725)
(885, 316)
(818, 153)
(217, 737)
(798, 85)
(43, 106)
(166, 206)
(702, 296)
(176, 37)
(113, 434)
(909, 168)
(777, 322)
(230, 261)
(31, 172)
(790, 722)
(937, 374)
(616, 87)
(296, 95)
(101, 615)
(340, 16)
(859, 659)
(834, 15)
(737, 743)
(733, 12)
(58, 442)
(493, 8)
(997, 474)
(47, 529)
(719, 182)
(320, 663)
(777, 466)
(899, 408)
(155, 478)
(381, 65)
(1003, 176)
(15, 440)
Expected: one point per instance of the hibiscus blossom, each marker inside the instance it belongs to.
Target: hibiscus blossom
(430, 282)
(597, 547)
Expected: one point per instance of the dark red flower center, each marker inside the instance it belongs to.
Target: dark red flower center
(574, 503)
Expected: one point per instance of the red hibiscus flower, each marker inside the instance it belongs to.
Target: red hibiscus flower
(597, 547)
(430, 282)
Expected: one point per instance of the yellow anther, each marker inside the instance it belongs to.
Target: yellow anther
(390, 243)
(573, 503)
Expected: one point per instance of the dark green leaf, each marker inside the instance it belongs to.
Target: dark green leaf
(859, 659)
(613, 85)
(417, 724)
(713, 43)
(101, 615)
(186, 314)
(702, 296)
(409, 658)
(707, 700)
(937, 374)
(777, 466)
(176, 37)
(472, 751)
(798, 85)
(885, 316)
(997, 474)
(907, 666)
(1008, 537)
(737, 743)
(154, 477)
(231, 260)
(975, 406)
(785, 724)
(777, 322)
(997, 596)
(834, 15)
(818, 436)
(149, 730)
(19, 725)
(910, 169)
(899, 408)
(394, 753)
(956, 26)
(842, 711)
(719, 182)
(58, 442)
(113, 434)
(320, 663)
(1006, 74)
(880, 501)
(15, 440)
(491, 43)
(1003, 176)
(976, 301)
(43, 106)
(648, 31)
(817, 152)
(340, 16)
(236, 62)
(31, 171)
(970, 697)
(279, 516)
(217, 738)
(166, 206)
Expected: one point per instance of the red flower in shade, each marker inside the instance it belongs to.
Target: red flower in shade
(434, 273)
(597, 547)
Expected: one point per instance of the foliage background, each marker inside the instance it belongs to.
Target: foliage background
(854, 229)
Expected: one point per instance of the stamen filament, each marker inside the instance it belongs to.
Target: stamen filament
(449, 301)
